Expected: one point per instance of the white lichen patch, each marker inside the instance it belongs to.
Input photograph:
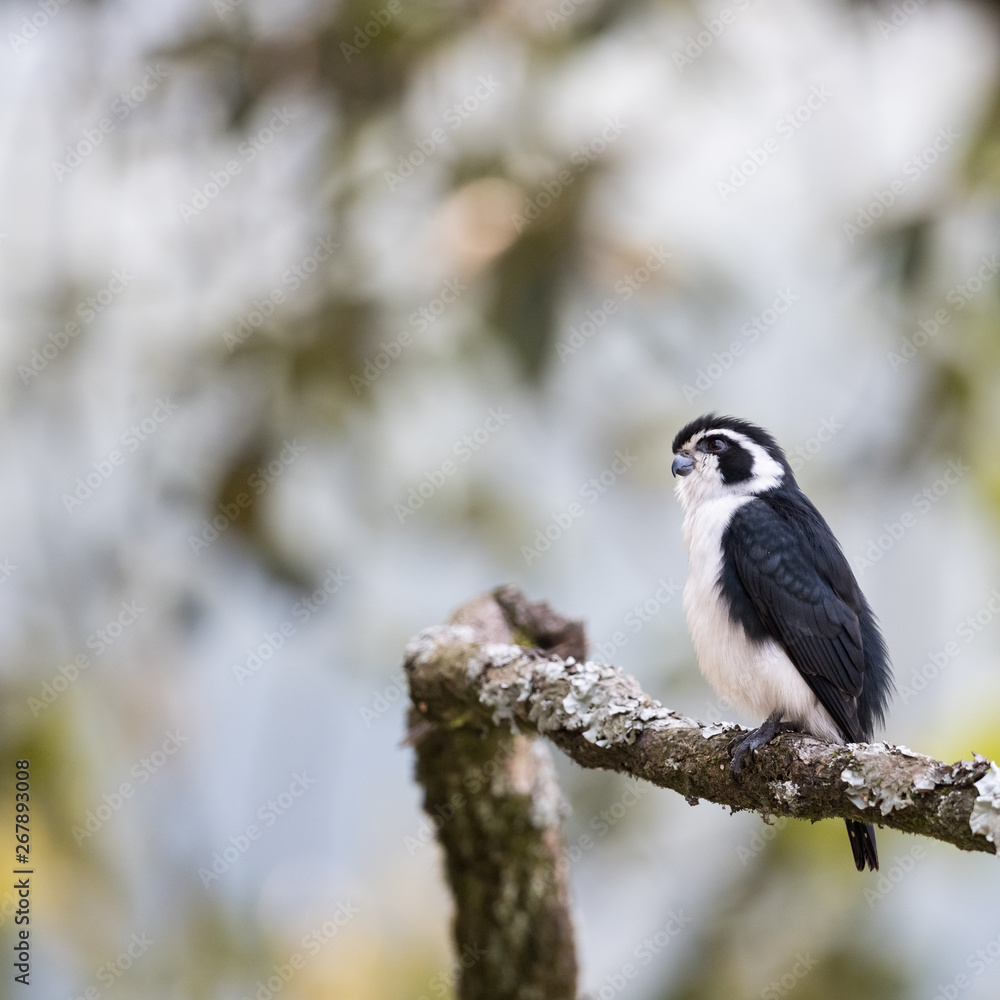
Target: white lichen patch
(666, 719)
(870, 783)
(856, 782)
(785, 791)
(707, 732)
(985, 818)
(513, 688)
(602, 704)
(426, 644)
(598, 700)
(493, 654)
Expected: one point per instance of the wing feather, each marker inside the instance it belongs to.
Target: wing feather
(801, 587)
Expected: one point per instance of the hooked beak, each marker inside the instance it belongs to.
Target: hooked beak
(682, 465)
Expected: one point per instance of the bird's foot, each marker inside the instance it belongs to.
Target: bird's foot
(756, 738)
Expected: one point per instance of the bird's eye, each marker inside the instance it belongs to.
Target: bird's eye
(715, 446)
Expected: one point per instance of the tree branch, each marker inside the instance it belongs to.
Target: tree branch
(493, 798)
(503, 663)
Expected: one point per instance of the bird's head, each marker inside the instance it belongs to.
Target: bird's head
(718, 457)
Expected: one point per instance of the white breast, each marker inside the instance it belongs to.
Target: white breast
(757, 677)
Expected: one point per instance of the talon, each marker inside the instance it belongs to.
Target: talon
(739, 749)
(754, 740)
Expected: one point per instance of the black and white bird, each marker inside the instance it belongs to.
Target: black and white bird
(778, 620)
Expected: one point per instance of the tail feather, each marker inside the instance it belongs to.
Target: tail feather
(863, 845)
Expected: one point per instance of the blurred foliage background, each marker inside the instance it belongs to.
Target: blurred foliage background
(316, 314)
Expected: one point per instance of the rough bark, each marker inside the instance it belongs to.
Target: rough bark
(503, 665)
(493, 798)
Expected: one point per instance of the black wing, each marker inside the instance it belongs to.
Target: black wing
(787, 571)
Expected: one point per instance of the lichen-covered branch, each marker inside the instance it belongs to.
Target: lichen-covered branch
(503, 665)
(493, 798)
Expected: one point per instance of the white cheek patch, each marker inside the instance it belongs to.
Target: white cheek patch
(766, 472)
